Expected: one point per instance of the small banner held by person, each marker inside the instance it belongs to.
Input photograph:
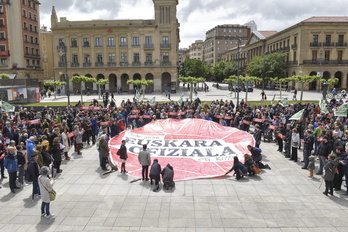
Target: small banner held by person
(280, 135)
(97, 108)
(84, 107)
(34, 122)
(259, 120)
(71, 135)
(107, 123)
(246, 122)
(24, 122)
(272, 127)
(147, 116)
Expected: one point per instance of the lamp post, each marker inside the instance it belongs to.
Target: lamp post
(238, 59)
(63, 53)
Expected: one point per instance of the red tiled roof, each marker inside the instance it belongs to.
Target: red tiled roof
(327, 19)
(267, 33)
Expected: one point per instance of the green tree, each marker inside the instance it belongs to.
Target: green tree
(100, 83)
(4, 76)
(194, 68)
(140, 83)
(280, 81)
(191, 81)
(249, 79)
(55, 84)
(268, 66)
(302, 80)
(82, 79)
(218, 71)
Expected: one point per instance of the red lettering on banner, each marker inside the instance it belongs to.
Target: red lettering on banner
(173, 113)
(33, 122)
(228, 117)
(71, 134)
(107, 123)
(320, 138)
(218, 116)
(272, 127)
(258, 120)
(182, 113)
(84, 107)
(280, 135)
(146, 116)
(246, 122)
(23, 122)
(133, 116)
(97, 108)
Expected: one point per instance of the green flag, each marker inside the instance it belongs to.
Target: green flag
(229, 95)
(153, 101)
(181, 99)
(341, 110)
(138, 96)
(6, 107)
(323, 108)
(297, 116)
(284, 102)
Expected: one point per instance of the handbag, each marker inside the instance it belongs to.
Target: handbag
(295, 144)
(255, 169)
(52, 194)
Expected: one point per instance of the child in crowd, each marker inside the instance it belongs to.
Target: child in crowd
(311, 165)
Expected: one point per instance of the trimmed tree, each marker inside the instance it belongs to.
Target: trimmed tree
(4, 76)
(302, 80)
(100, 83)
(55, 84)
(280, 81)
(82, 79)
(141, 83)
(249, 79)
(191, 81)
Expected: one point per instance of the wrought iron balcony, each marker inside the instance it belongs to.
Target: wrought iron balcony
(292, 63)
(328, 44)
(294, 46)
(124, 64)
(136, 64)
(148, 63)
(341, 44)
(325, 62)
(75, 65)
(99, 64)
(61, 64)
(112, 64)
(148, 46)
(166, 46)
(87, 64)
(315, 44)
(166, 63)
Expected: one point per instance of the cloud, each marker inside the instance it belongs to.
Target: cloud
(198, 16)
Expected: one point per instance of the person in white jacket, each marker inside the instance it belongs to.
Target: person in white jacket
(66, 143)
(46, 185)
(295, 144)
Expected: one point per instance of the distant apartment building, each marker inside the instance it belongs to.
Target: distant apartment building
(222, 38)
(117, 50)
(20, 55)
(196, 50)
(315, 46)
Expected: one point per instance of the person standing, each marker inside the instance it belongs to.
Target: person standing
(66, 143)
(46, 185)
(279, 135)
(145, 160)
(330, 171)
(123, 156)
(295, 143)
(30, 145)
(155, 174)
(104, 151)
(257, 135)
(56, 153)
(33, 174)
(307, 147)
(2, 158)
(287, 140)
(78, 139)
(11, 164)
(324, 150)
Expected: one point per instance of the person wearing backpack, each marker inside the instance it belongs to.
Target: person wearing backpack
(329, 175)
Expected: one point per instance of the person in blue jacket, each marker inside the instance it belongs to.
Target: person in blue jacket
(239, 168)
(11, 164)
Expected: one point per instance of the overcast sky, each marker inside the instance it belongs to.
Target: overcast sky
(198, 16)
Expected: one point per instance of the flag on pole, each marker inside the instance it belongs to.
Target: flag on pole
(284, 102)
(341, 110)
(323, 108)
(138, 96)
(6, 107)
(181, 99)
(153, 101)
(273, 99)
(229, 95)
(297, 116)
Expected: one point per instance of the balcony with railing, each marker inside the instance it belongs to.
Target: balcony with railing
(148, 46)
(75, 65)
(292, 63)
(294, 46)
(341, 44)
(315, 44)
(61, 64)
(34, 66)
(61, 47)
(166, 46)
(325, 62)
(328, 44)
(123, 64)
(136, 64)
(166, 63)
(112, 64)
(99, 64)
(148, 63)
(87, 64)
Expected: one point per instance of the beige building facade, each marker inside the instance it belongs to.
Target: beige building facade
(196, 50)
(117, 50)
(20, 55)
(222, 38)
(315, 46)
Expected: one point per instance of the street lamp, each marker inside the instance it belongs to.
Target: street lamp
(238, 59)
(63, 52)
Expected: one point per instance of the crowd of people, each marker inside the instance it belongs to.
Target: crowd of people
(34, 140)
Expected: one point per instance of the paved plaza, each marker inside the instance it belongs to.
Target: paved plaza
(282, 199)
